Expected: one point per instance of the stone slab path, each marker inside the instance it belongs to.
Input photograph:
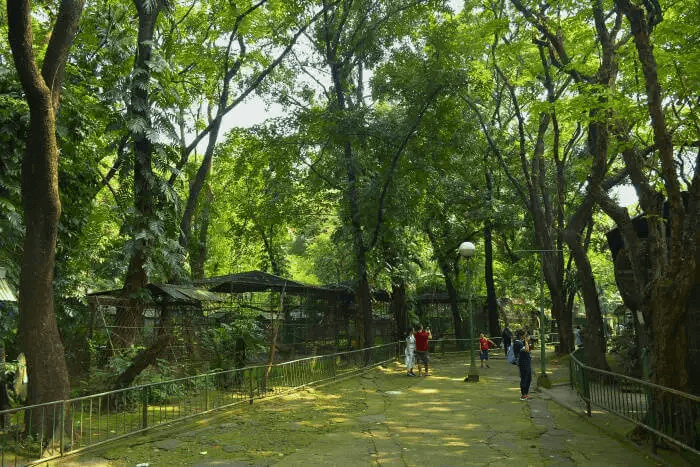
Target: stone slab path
(384, 418)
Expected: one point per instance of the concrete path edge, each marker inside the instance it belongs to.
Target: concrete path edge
(619, 436)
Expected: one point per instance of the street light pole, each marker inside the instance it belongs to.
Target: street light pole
(543, 378)
(466, 250)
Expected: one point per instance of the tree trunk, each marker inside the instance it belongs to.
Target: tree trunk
(198, 254)
(145, 358)
(38, 332)
(275, 325)
(398, 308)
(363, 290)
(563, 317)
(267, 239)
(672, 242)
(130, 319)
(594, 334)
(491, 300)
(198, 183)
(457, 320)
(670, 341)
(363, 297)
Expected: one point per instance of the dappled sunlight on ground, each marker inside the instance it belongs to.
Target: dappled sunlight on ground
(420, 430)
(458, 380)
(414, 405)
(379, 418)
(440, 409)
(424, 391)
(457, 443)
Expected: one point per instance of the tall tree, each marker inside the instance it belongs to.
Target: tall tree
(145, 187)
(234, 57)
(534, 187)
(669, 252)
(665, 276)
(350, 38)
(556, 57)
(39, 334)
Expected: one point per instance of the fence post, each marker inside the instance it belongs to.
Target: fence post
(250, 381)
(571, 373)
(586, 390)
(206, 392)
(144, 407)
(63, 426)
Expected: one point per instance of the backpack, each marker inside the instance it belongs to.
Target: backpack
(510, 355)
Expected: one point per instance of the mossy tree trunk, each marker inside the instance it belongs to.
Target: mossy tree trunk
(38, 332)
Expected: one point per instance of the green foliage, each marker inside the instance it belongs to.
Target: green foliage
(220, 341)
(413, 76)
(102, 377)
(626, 345)
(8, 329)
(14, 121)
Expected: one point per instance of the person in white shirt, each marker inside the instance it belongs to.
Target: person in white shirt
(410, 352)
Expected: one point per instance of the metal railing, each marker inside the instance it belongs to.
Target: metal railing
(462, 345)
(666, 413)
(38, 433)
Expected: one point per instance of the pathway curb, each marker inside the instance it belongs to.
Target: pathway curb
(593, 420)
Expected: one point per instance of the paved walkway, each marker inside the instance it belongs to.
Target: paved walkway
(385, 418)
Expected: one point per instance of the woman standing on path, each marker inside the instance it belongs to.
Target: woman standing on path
(521, 349)
(410, 352)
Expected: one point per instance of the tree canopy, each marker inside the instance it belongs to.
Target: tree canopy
(405, 127)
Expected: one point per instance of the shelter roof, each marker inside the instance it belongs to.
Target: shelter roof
(169, 293)
(259, 281)
(184, 292)
(434, 297)
(6, 294)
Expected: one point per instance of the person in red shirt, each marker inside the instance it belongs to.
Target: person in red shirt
(485, 344)
(422, 337)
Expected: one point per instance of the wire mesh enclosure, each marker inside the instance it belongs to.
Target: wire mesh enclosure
(302, 319)
(176, 315)
(234, 320)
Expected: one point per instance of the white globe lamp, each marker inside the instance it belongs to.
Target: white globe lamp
(466, 249)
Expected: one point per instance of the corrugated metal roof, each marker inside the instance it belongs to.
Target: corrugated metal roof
(168, 292)
(255, 281)
(6, 294)
(185, 293)
(258, 281)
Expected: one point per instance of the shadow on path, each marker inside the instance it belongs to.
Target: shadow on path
(383, 418)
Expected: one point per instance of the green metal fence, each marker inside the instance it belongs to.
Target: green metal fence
(667, 414)
(38, 433)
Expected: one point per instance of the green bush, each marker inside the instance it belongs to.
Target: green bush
(626, 345)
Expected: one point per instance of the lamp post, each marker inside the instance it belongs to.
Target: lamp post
(542, 379)
(466, 251)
